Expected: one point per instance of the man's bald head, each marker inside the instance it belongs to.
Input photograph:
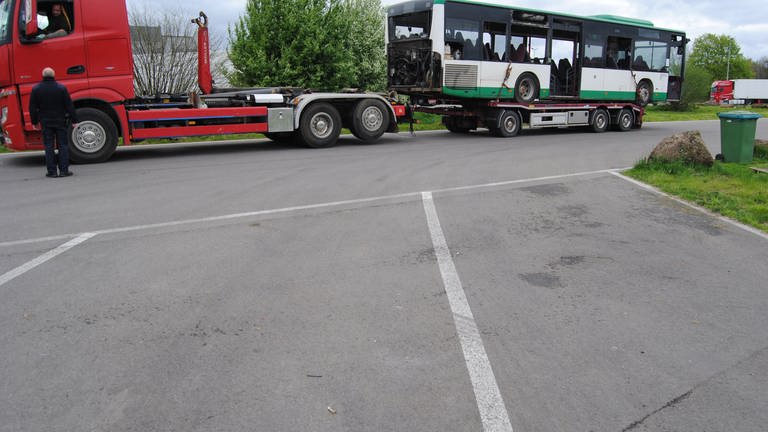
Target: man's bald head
(48, 73)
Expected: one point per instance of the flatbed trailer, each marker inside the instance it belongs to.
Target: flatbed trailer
(507, 119)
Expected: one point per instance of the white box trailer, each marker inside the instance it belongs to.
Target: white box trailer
(750, 90)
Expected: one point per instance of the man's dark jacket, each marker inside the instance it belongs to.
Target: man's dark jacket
(50, 104)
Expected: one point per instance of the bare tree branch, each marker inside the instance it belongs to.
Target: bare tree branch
(165, 51)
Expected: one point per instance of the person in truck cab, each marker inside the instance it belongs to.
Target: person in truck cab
(58, 22)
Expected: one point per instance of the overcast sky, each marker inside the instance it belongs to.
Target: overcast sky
(745, 20)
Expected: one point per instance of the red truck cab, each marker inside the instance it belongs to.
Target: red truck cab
(93, 60)
(722, 91)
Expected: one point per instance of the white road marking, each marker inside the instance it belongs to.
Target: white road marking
(493, 412)
(306, 207)
(721, 218)
(20, 270)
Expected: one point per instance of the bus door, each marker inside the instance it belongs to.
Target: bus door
(565, 52)
(675, 65)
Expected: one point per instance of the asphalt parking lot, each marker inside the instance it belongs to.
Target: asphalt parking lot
(559, 302)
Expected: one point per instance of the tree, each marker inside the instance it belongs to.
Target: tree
(760, 67)
(720, 56)
(319, 44)
(165, 51)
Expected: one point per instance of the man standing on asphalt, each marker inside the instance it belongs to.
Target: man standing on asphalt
(50, 105)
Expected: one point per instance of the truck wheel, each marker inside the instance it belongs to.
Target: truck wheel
(625, 120)
(370, 119)
(320, 125)
(510, 122)
(600, 120)
(644, 93)
(94, 139)
(526, 88)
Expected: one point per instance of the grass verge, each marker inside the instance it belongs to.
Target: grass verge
(732, 190)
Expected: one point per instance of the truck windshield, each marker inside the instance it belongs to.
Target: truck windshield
(5, 21)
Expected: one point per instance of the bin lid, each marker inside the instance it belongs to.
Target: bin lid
(739, 115)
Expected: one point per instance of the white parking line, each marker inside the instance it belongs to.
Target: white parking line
(308, 207)
(20, 270)
(493, 412)
(721, 218)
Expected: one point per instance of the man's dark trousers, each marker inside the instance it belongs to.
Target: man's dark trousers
(58, 135)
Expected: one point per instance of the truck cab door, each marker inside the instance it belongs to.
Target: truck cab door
(65, 54)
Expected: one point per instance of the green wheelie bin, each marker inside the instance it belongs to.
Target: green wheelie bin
(737, 135)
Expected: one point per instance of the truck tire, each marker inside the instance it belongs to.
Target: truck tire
(94, 140)
(509, 123)
(625, 120)
(600, 120)
(370, 119)
(320, 125)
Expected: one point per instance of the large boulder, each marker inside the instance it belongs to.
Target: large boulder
(687, 147)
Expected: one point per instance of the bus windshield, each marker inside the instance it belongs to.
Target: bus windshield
(409, 26)
(5, 21)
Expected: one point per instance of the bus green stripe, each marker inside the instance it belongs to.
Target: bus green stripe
(508, 94)
(616, 95)
(487, 92)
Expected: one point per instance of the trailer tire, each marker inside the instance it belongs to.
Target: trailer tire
(94, 140)
(644, 93)
(625, 120)
(508, 124)
(320, 125)
(526, 88)
(370, 119)
(600, 120)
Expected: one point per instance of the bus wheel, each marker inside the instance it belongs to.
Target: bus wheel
(370, 120)
(94, 139)
(644, 93)
(600, 120)
(320, 125)
(509, 124)
(625, 120)
(526, 88)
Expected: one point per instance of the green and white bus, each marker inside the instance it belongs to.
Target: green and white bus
(455, 51)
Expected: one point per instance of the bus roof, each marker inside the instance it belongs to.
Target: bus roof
(613, 19)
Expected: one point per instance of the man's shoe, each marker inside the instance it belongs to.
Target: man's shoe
(66, 174)
(51, 175)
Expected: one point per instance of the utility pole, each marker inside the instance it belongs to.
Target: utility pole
(728, 67)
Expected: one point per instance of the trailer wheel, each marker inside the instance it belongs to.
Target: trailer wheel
(320, 125)
(526, 88)
(94, 139)
(509, 123)
(600, 120)
(370, 119)
(625, 120)
(644, 93)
